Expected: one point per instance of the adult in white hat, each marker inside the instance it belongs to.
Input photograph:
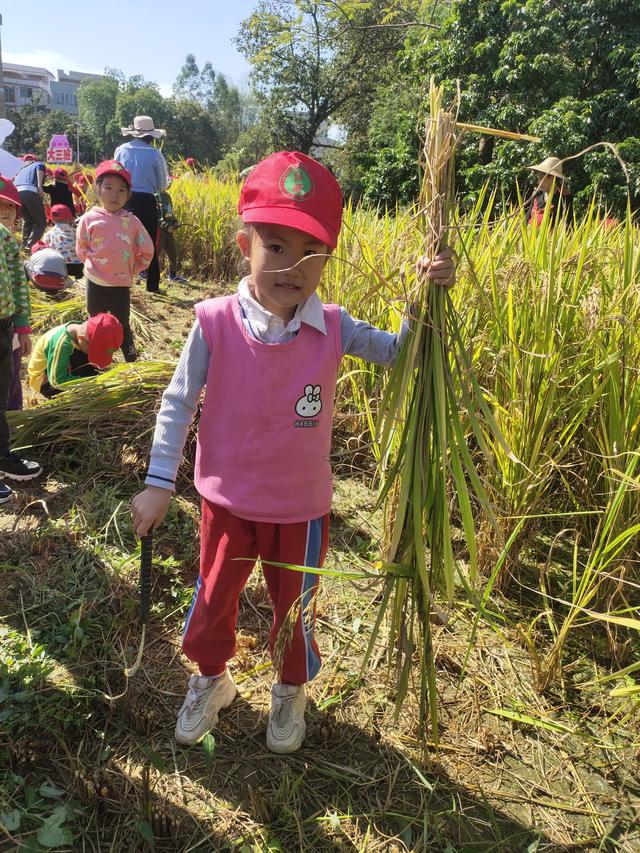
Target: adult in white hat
(149, 175)
(551, 189)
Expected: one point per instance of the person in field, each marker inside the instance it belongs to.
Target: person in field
(61, 237)
(30, 182)
(114, 246)
(47, 271)
(15, 312)
(269, 357)
(551, 190)
(60, 192)
(73, 350)
(9, 215)
(149, 175)
(168, 225)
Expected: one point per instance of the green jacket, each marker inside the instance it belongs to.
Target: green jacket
(14, 289)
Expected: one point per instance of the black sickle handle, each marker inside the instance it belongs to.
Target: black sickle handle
(146, 558)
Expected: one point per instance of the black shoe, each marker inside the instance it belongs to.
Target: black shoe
(15, 468)
(5, 493)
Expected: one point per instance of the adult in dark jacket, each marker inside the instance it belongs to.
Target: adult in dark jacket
(59, 192)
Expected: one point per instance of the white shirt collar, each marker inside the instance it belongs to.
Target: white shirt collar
(271, 328)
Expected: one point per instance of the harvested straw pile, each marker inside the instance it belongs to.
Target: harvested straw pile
(118, 403)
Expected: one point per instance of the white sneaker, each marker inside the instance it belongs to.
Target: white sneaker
(199, 712)
(286, 728)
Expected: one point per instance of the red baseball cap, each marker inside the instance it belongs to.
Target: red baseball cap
(61, 211)
(113, 167)
(105, 336)
(9, 193)
(29, 158)
(60, 173)
(289, 188)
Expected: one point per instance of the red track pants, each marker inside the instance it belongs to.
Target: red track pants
(209, 637)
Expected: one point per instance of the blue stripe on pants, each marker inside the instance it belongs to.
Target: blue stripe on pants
(309, 580)
(192, 606)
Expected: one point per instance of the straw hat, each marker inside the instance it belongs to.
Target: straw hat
(549, 166)
(143, 126)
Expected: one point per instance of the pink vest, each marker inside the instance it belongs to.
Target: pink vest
(265, 431)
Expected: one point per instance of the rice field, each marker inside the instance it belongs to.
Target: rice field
(535, 650)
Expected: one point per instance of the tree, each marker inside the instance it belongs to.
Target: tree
(314, 62)
(567, 72)
(97, 111)
(144, 100)
(191, 132)
(194, 84)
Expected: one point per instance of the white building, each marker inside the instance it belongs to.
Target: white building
(63, 90)
(25, 85)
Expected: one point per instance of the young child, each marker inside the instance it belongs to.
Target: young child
(167, 225)
(269, 357)
(73, 350)
(114, 246)
(15, 310)
(59, 192)
(61, 237)
(47, 271)
(8, 215)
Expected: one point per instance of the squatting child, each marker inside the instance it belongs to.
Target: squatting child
(269, 358)
(61, 237)
(114, 246)
(15, 312)
(73, 350)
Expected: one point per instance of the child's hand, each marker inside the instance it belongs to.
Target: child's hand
(148, 509)
(443, 269)
(24, 340)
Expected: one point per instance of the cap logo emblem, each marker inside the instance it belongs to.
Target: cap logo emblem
(2, 184)
(296, 183)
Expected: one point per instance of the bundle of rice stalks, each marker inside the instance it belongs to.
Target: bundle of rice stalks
(47, 313)
(425, 460)
(120, 403)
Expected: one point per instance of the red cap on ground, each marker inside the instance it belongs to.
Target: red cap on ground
(61, 212)
(9, 193)
(105, 336)
(113, 167)
(289, 188)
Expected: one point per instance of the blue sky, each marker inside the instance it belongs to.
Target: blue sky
(148, 37)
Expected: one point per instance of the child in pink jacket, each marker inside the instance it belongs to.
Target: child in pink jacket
(115, 247)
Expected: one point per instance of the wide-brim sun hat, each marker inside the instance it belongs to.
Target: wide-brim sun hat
(143, 126)
(549, 166)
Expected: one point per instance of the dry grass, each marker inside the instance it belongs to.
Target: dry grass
(561, 776)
